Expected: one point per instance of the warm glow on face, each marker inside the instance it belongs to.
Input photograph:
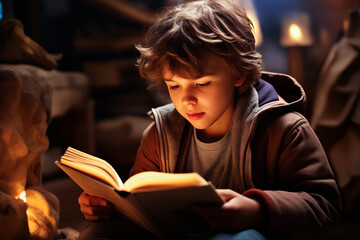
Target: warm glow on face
(295, 32)
(205, 102)
(22, 196)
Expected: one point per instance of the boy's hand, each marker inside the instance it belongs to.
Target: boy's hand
(236, 214)
(95, 208)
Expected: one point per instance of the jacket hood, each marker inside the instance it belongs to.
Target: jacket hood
(287, 89)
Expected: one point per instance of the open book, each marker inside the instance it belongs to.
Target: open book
(162, 203)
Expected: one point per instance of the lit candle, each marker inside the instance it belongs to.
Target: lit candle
(295, 32)
(295, 35)
(22, 196)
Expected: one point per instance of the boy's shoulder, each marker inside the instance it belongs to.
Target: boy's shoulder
(281, 123)
(288, 120)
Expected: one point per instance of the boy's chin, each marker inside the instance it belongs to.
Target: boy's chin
(198, 126)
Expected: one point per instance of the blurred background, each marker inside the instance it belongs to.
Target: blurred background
(97, 38)
(93, 33)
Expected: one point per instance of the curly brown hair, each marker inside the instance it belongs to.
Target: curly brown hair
(184, 33)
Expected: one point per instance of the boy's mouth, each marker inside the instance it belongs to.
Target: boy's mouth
(195, 116)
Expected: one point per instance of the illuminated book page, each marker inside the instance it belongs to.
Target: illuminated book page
(93, 166)
(162, 180)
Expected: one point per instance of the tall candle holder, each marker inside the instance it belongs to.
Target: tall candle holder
(295, 36)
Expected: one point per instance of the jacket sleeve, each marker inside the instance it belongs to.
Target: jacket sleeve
(299, 189)
(147, 157)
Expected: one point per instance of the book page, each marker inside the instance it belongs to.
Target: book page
(162, 203)
(92, 165)
(93, 187)
(151, 180)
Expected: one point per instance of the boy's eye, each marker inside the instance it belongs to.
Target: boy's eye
(203, 84)
(174, 87)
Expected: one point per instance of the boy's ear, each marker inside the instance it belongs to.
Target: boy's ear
(240, 80)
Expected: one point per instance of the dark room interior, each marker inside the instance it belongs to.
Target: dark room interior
(97, 102)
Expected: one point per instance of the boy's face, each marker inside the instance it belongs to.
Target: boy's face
(206, 102)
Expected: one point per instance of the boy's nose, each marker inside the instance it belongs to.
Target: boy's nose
(189, 99)
(189, 95)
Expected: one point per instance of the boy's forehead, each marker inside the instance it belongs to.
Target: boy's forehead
(211, 62)
(207, 64)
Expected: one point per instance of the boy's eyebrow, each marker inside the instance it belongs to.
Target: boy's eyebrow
(199, 78)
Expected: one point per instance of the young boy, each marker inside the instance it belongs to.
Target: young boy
(238, 128)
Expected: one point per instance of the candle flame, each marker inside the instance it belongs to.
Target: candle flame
(22, 196)
(295, 31)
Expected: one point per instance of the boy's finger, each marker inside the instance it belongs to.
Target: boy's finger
(95, 214)
(226, 194)
(97, 201)
(95, 211)
(89, 200)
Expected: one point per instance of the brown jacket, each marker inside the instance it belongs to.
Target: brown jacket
(279, 160)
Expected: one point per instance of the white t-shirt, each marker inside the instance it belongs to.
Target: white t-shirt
(203, 158)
